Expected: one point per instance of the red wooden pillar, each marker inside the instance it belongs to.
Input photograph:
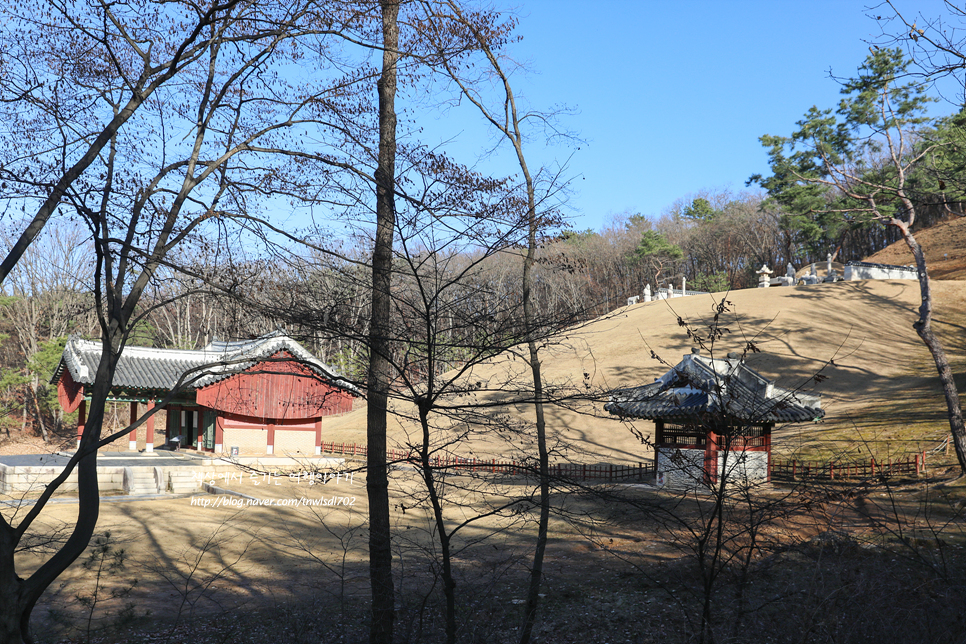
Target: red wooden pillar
(199, 415)
(219, 433)
(149, 432)
(81, 420)
(271, 439)
(318, 436)
(132, 438)
(711, 457)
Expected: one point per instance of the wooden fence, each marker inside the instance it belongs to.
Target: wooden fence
(780, 469)
(344, 449)
(795, 469)
(575, 471)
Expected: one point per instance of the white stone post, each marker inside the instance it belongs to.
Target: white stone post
(647, 293)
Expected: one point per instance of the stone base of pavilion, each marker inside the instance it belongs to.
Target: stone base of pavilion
(696, 470)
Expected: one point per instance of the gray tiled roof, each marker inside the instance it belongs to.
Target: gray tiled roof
(149, 368)
(699, 385)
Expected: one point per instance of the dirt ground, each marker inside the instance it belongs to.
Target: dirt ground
(620, 563)
(221, 556)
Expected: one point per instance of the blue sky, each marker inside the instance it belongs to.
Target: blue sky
(671, 97)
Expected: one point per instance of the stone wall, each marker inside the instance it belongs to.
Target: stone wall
(744, 468)
(19, 480)
(867, 271)
(683, 469)
(680, 469)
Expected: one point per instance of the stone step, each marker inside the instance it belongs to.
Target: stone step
(141, 480)
(183, 482)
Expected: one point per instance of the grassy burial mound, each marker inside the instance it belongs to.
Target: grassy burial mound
(945, 247)
(880, 388)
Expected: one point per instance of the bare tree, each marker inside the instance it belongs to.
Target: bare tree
(127, 44)
(509, 122)
(48, 299)
(180, 172)
(377, 482)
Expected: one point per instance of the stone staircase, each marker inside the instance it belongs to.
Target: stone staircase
(183, 482)
(141, 480)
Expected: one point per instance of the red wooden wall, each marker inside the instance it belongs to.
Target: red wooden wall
(279, 390)
(69, 393)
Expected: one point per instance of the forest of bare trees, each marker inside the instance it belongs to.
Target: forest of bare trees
(715, 240)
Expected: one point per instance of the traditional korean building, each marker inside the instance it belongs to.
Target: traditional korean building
(710, 414)
(263, 396)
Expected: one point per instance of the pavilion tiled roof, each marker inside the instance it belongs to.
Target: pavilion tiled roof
(727, 387)
(160, 369)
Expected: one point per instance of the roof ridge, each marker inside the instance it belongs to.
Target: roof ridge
(210, 365)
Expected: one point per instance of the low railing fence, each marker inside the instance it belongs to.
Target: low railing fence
(581, 471)
(780, 469)
(795, 469)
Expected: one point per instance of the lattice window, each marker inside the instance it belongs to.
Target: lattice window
(683, 435)
(746, 436)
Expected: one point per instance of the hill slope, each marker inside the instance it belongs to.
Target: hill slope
(944, 245)
(881, 380)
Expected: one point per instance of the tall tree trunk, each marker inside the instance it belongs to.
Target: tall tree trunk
(23, 416)
(21, 595)
(536, 571)
(377, 481)
(509, 125)
(449, 584)
(10, 586)
(923, 327)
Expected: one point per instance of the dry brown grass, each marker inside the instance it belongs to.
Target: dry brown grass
(944, 245)
(881, 393)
